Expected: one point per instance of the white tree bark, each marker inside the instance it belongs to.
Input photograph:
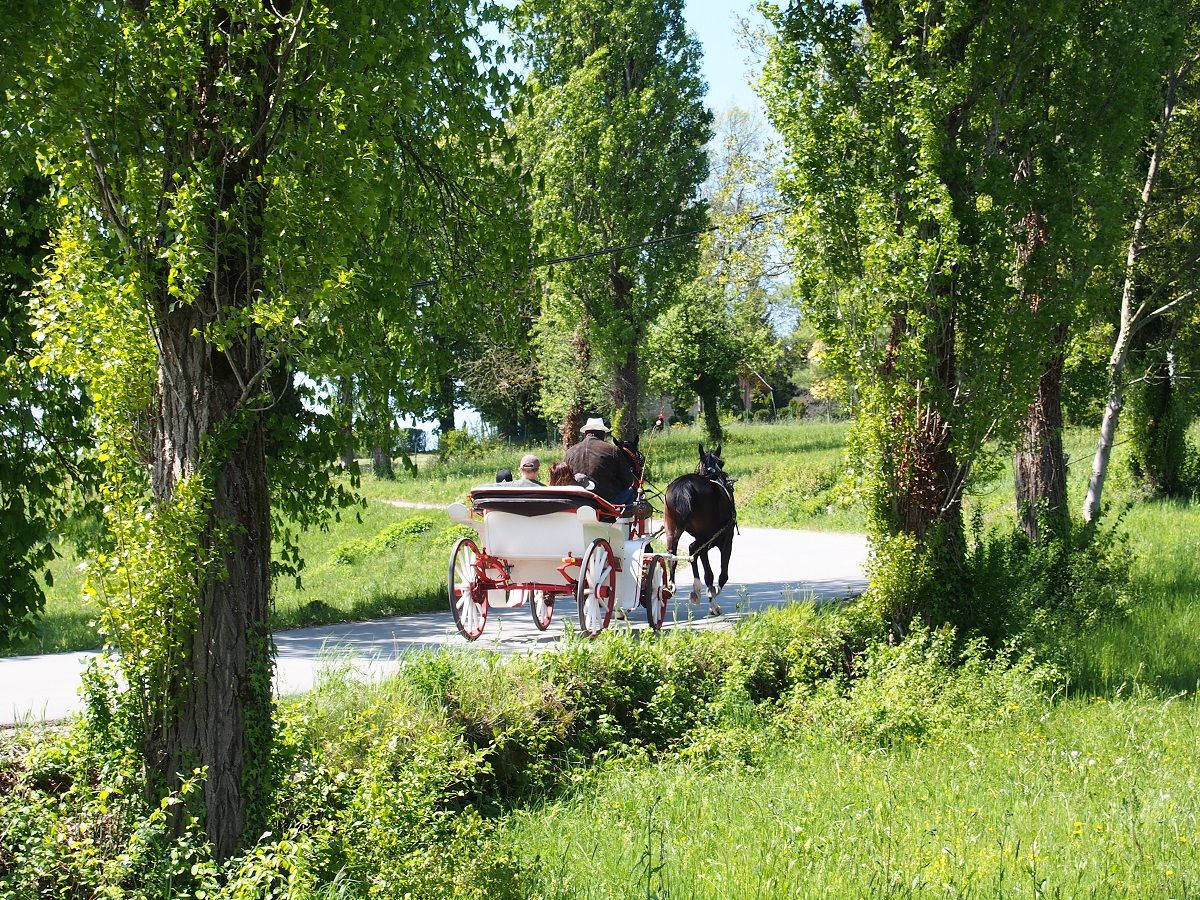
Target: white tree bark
(1131, 319)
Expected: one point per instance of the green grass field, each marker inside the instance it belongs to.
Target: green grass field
(1076, 799)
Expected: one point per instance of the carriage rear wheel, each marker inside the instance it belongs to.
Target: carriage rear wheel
(541, 605)
(655, 592)
(596, 590)
(468, 598)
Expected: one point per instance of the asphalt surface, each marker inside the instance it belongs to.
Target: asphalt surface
(769, 567)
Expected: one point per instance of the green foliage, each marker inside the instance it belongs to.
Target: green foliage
(925, 688)
(913, 185)
(459, 445)
(720, 328)
(1031, 595)
(402, 532)
(46, 469)
(612, 133)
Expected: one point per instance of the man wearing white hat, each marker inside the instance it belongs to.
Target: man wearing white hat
(603, 463)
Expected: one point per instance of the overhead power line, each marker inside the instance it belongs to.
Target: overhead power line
(621, 248)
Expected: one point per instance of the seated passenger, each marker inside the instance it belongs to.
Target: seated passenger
(503, 476)
(530, 468)
(603, 463)
(561, 474)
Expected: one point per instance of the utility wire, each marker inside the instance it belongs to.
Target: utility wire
(604, 251)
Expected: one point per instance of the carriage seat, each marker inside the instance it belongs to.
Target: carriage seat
(541, 501)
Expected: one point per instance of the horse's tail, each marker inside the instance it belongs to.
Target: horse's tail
(677, 506)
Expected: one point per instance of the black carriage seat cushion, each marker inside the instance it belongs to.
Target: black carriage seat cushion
(541, 501)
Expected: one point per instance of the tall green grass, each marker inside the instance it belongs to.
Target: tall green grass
(1078, 799)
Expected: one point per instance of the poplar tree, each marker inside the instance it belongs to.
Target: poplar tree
(936, 242)
(614, 137)
(221, 169)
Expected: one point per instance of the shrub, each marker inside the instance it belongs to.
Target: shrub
(460, 444)
(398, 533)
(350, 552)
(924, 687)
(1031, 594)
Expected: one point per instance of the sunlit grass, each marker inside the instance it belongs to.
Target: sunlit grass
(1081, 799)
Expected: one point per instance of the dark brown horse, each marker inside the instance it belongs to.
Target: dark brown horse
(702, 505)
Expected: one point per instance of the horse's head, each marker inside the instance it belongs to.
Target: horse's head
(713, 466)
(636, 459)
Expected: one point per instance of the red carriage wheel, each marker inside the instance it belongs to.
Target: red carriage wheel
(655, 592)
(596, 590)
(468, 598)
(541, 605)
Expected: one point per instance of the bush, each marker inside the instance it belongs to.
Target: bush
(399, 533)
(924, 688)
(1030, 595)
(350, 552)
(460, 444)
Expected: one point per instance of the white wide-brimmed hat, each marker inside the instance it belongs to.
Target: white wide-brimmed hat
(594, 425)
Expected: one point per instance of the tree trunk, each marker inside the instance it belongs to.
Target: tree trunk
(578, 408)
(1040, 463)
(925, 494)
(712, 416)
(1131, 319)
(346, 402)
(626, 395)
(381, 462)
(1160, 424)
(220, 716)
(445, 409)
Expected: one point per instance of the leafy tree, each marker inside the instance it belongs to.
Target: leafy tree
(223, 170)
(45, 430)
(1160, 275)
(906, 126)
(720, 329)
(614, 135)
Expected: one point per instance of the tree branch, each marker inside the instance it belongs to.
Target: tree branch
(108, 201)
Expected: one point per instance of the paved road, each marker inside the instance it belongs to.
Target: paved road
(770, 567)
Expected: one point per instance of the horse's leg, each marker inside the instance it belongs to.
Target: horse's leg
(713, 609)
(694, 597)
(726, 547)
(672, 548)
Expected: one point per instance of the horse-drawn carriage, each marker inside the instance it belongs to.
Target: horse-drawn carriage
(539, 544)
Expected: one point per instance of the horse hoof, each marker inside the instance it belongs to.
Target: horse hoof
(714, 610)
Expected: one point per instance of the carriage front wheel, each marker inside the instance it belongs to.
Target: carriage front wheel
(541, 605)
(655, 592)
(596, 590)
(468, 598)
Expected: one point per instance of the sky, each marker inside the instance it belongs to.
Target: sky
(727, 63)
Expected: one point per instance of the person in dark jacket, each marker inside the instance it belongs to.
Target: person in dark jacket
(604, 463)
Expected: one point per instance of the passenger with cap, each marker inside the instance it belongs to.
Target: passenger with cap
(604, 463)
(530, 468)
